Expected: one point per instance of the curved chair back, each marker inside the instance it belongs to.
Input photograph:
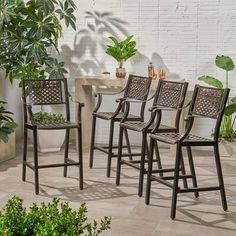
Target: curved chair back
(137, 88)
(171, 94)
(46, 92)
(210, 103)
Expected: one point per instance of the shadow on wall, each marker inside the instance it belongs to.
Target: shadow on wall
(87, 55)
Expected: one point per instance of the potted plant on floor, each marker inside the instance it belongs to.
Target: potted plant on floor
(121, 51)
(227, 132)
(7, 138)
(48, 219)
(53, 140)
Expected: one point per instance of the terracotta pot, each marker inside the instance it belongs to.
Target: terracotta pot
(120, 73)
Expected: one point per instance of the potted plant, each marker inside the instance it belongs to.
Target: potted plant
(53, 140)
(227, 132)
(121, 51)
(29, 33)
(48, 219)
(7, 127)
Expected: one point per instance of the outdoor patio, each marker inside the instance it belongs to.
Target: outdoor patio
(130, 215)
(125, 107)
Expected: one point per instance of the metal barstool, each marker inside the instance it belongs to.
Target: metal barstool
(169, 96)
(44, 93)
(206, 103)
(137, 88)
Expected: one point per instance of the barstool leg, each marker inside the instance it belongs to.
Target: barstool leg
(182, 166)
(92, 142)
(80, 146)
(128, 144)
(142, 163)
(24, 154)
(120, 144)
(158, 158)
(220, 177)
(150, 164)
(36, 173)
(66, 151)
(110, 148)
(192, 169)
(176, 181)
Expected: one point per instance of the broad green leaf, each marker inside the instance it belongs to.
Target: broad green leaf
(211, 81)
(230, 109)
(224, 62)
(115, 41)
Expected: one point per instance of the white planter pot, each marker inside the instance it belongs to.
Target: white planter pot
(227, 149)
(8, 150)
(50, 140)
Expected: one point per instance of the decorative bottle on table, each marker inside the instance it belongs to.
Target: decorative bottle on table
(151, 71)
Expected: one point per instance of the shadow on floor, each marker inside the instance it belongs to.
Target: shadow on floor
(95, 190)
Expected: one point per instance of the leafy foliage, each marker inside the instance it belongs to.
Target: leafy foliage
(211, 81)
(28, 30)
(123, 50)
(226, 63)
(7, 125)
(54, 218)
(48, 118)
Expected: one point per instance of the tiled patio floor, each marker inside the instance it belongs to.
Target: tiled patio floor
(130, 216)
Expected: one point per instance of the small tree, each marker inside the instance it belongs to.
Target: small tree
(29, 29)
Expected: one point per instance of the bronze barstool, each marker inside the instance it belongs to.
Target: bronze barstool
(137, 88)
(169, 96)
(41, 93)
(206, 103)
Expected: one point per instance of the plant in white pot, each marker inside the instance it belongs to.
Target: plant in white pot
(121, 51)
(7, 127)
(50, 141)
(227, 132)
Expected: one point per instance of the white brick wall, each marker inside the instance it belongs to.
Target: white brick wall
(182, 36)
(186, 34)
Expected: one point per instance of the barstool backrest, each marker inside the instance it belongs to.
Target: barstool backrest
(137, 87)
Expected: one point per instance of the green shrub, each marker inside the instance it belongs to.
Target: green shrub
(48, 118)
(48, 219)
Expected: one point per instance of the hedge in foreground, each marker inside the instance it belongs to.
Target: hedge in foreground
(48, 219)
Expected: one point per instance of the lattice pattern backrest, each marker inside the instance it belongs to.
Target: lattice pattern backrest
(171, 94)
(208, 102)
(137, 87)
(45, 92)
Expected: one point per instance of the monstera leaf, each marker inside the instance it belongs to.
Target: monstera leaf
(211, 81)
(224, 62)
